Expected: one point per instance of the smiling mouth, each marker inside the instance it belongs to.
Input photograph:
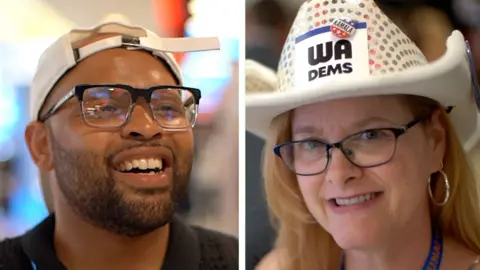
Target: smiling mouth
(339, 202)
(142, 166)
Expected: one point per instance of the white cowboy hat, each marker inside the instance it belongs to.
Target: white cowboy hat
(350, 48)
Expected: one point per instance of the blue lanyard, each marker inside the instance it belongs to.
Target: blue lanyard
(435, 254)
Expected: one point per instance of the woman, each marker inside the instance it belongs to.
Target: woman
(364, 164)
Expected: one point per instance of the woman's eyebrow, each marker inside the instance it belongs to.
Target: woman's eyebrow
(358, 125)
(373, 120)
(307, 129)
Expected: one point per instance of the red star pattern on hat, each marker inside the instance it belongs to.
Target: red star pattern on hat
(339, 32)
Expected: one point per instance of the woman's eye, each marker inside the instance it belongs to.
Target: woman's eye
(310, 145)
(371, 134)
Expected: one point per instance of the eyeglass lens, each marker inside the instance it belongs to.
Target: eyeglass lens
(110, 107)
(364, 149)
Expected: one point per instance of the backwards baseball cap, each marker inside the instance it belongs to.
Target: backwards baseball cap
(61, 56)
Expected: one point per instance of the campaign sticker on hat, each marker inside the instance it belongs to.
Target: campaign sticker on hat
(343, 27)
(321, 56)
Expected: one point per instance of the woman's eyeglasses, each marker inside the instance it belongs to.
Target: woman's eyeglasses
(365, 149)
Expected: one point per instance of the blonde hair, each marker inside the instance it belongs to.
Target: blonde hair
(307, 246)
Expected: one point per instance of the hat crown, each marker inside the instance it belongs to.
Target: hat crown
(338, 36)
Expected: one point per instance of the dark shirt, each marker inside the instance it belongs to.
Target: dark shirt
(189, 248)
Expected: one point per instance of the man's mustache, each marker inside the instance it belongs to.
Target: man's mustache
(134, 145)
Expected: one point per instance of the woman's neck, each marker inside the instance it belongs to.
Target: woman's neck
(405, 249)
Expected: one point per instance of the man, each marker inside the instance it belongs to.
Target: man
(113, 124)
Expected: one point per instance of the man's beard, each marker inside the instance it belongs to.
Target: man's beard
(92, 193)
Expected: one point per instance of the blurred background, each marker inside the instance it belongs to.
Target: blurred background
(27, 27)
(427, 22)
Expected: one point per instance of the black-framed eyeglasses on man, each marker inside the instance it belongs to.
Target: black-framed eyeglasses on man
(365, 149)
(111, 105)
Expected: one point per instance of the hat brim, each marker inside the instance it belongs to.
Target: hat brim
(446, 80)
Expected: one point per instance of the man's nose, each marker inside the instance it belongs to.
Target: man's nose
(142, 124)
(340, 170)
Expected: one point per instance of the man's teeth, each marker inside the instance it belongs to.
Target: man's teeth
(142, 164)
(355, 200)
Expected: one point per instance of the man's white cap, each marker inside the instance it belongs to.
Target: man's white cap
(60, 57)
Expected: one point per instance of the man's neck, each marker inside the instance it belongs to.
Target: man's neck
(80, 245)
(407, 249)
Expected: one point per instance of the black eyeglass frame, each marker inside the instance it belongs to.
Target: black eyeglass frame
(398, 131)
(135, 93)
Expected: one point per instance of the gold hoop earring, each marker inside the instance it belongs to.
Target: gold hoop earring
(447, 189)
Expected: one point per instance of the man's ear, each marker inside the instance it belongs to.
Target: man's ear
(38, 143)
